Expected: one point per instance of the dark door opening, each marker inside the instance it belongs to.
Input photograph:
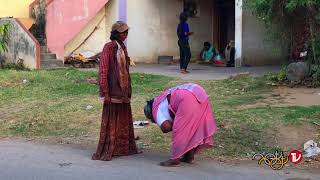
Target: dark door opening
(223, 23)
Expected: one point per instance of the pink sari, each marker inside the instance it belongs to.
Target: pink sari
(194, 124)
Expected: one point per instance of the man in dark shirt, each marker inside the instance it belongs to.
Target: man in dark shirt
(183, 33)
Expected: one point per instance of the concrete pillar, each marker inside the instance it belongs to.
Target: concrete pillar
(238, 33)
(122, 10)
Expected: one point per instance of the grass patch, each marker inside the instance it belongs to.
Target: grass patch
(53, 103)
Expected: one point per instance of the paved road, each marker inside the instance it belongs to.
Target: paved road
(30, 161)
(202, 72)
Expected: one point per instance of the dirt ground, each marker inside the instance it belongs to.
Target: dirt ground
(298, 96)
(290, 137)
(285, 96)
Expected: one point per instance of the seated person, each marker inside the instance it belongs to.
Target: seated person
(207, 53)
(217, 61)
(210, 55)
(230, 54)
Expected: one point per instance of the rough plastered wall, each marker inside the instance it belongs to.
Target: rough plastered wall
(102, 22)
(153, 28)
(257, 48)
(21, 45)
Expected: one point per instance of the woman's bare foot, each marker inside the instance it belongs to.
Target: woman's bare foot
(139, 151)
(170, 163)
(183, 71)
(188, 157)
(95, 158)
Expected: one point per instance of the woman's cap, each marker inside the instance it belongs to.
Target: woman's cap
(120, 26)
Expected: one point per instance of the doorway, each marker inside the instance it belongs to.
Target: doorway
(223, 23)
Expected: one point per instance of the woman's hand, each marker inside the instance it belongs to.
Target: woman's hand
(104, 99)
(166, 126)
(190, 33)
(101, 99)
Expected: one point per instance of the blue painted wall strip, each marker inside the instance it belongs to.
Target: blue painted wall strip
(123, 10)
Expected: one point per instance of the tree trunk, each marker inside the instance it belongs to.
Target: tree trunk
(313, 44)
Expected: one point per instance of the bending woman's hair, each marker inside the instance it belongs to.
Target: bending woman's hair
(148, 109)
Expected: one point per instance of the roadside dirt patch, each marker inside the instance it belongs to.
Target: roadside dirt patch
(299, 96)
(7, 111)
(291, 137)
(285, 96)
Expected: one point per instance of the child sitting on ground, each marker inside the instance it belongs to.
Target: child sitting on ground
(207, 53)
(210, 55)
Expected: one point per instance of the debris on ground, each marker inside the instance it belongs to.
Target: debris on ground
(315, 123)
(86, 59)
(240, 75)
(89, 107)
(92, 80)
(140, 124)
(24, 81)
(225, 124)
(275, 94)
(311, 149)
(65, 164)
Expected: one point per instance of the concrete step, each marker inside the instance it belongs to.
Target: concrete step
(51, 64)
(44, 49)
(45, 56)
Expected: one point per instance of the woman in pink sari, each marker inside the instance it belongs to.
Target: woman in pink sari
(185, 110)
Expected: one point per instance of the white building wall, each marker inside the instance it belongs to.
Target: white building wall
(153, 28)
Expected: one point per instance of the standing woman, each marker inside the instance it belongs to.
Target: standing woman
(183, 42)
(116, 134)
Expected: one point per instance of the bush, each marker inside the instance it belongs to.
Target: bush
(315, 74)
(282, 74)
(19, 66)
(4, 37)
(277, 77)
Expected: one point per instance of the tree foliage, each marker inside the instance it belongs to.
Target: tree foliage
(4, 37)
(296, 21)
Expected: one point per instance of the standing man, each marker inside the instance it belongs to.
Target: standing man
(183, 42)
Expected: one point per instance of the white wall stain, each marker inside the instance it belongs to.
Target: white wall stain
(85, 12)
(60, 17)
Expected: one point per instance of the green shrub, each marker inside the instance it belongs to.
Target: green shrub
(315, 74)
(282, 74)
(19, 66)
(4, 37)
